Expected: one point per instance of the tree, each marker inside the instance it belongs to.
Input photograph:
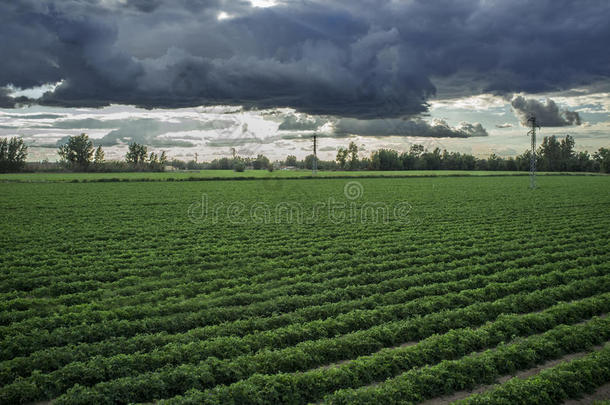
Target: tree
(136, 154)
(239, 166)
(353, 155)
(584, 163)
(163, 158)
(468, 162)
(602, 156)
(481, 164)
(155, 164)
(291, 160)
(309, 162)
(431, 160)
(13, 153)
(99, 156)
(408, 161)
(411, 160)
(416, 150)
(261, 162)
(192, 165)
(511, 165)
(386, 159)
(567, 153)
(4, 162)
(494, 162)
(221, 164)
(550, 154)
(341, 157)
(77, 152)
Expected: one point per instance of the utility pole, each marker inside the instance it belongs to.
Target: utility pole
(532, 121)
(315, 155)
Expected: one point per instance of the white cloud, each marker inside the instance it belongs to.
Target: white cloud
(33, 92)
(481, 102)
(263, 3)
(224, 16)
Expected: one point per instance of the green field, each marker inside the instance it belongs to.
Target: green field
(378, 290)
(254, 174)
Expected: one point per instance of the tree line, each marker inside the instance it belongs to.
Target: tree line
(79, 154)
(553, 155)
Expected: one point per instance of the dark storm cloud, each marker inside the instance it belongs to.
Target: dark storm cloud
(360, 58)
(398, 127)
(547, 114)
(6, 101)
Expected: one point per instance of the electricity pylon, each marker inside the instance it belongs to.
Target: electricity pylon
(532, 121)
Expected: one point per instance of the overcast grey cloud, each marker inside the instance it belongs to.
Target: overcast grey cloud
(37, 116)
(417, 128)
(547, 114)
(6, 101)
(293, 122)
(359, 58)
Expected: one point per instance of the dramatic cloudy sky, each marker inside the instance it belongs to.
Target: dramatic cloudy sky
(262, 76)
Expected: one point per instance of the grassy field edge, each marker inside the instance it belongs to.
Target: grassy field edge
(262, 175)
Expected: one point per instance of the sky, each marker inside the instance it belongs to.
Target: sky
(205, 76)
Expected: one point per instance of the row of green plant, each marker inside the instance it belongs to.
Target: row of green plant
(313, 385)
(480, 368)
(166, 291)
(394, 327)
(229, 308)
(295, 273)
(42, 359)
(89, 276)
(24, 343)
(290, 275)
(170, 381)
(81, 273)
(356, 298)
(569, 380)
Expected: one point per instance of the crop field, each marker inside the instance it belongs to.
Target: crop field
(344, 291)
